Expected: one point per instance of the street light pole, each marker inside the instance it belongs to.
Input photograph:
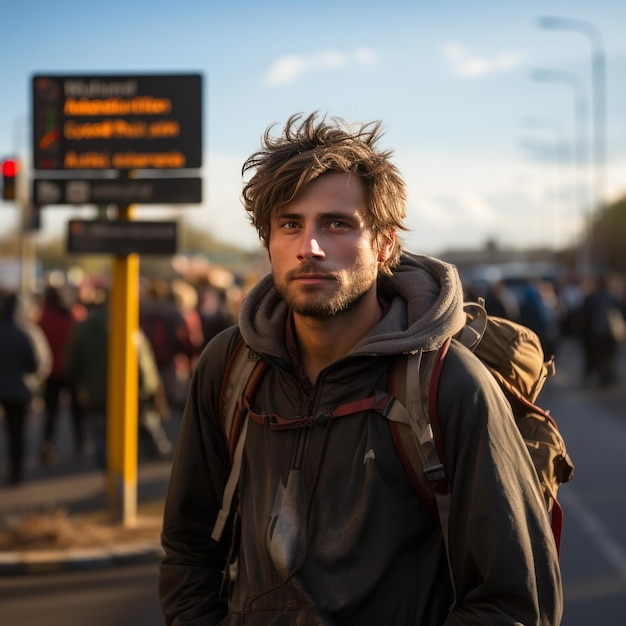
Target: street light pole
(580, 149)
(562, 155)
(598, 77)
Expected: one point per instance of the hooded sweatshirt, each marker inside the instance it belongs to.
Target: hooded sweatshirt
(329, 529)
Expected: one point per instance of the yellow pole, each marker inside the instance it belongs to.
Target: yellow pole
(122, 387)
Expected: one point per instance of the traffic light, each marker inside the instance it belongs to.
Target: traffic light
(10, 169)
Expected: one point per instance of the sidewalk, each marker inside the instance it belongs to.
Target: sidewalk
(73, 491)
(83, 497)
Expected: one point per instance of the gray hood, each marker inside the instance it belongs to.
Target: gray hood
(426, 299)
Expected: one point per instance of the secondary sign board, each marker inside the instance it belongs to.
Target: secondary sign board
(114, 122)
(121, 238)
(121, 191)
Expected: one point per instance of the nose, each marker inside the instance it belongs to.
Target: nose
(310, 246)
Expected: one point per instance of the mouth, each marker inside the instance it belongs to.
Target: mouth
(308, 270)
(311, 275)
(311, 279)
(307, 277)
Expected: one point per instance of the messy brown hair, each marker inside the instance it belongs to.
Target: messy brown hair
(312, 146)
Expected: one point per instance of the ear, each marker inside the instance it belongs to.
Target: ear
(386, 242)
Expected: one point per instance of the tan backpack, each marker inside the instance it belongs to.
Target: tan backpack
(514, 356)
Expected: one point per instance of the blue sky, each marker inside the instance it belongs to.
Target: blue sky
(487, 151)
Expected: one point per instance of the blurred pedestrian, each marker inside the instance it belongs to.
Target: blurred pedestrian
(540, 317)
(572, 295)
(85, 368)
(215, 315)
(25, 319)
(163, 323)
(603, 328)
(500, 301)
(56, 320)
(191, 337)
(17, 360)
(154, 411)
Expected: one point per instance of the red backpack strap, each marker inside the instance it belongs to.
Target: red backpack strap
(381, 403)
(557, 525)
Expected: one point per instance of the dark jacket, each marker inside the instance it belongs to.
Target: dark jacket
(17, 355)
(86, 359)
(332, 531)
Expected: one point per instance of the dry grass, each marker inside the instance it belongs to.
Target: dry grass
(55, 529)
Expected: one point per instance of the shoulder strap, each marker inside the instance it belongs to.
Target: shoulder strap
(475, 324)
(415, 381)
(231, 486)
(243, 371)
(239, 370)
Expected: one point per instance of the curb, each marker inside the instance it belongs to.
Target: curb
(19, 563)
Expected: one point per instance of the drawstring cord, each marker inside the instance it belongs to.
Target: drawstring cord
(309, 509)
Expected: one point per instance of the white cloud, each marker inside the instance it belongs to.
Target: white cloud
(477, 208)
(290, 68)
(467, 64)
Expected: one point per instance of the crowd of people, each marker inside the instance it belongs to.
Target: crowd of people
(55, 349)
(592, 311)
(54, 361)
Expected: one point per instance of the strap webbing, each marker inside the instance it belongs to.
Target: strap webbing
(237, 377)
(244, 368)
(231, 485)
(382, 403)
(423, 371)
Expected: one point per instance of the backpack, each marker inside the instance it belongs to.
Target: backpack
(514, 356)
(510, 351)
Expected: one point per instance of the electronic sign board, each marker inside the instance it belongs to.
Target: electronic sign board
(121, 237)
(123, 191)
(113, 122)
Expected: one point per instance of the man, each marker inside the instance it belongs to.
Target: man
(329, 529)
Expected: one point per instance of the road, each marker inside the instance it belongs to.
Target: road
(593, 551)
(120, 596)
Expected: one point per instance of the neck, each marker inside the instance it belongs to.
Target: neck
(323, 341)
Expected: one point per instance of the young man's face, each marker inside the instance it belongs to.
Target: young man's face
(324, 257)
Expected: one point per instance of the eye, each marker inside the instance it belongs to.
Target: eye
(338, 225)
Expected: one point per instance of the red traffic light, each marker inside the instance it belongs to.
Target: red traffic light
(10, 168)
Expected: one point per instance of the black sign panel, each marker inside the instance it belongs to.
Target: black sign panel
(121, 237)
(117, 191)
(117, 122)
